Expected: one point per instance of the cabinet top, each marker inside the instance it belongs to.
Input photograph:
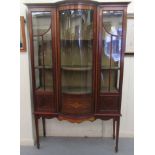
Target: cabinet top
(66, 2)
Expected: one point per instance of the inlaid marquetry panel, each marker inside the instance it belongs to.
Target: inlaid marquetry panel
(76, 104)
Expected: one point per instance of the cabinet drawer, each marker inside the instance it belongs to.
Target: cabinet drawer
(45, 103)
(108, 103)
(76, 104)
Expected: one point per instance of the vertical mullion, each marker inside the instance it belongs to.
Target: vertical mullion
(100, 52)
(110, 61)
(116, 77)
(39, 63)
(43, 61)
(109, 79)
(53, 63)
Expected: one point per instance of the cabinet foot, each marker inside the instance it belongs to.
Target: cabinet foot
(38, 146)
(37, 132)
(116, 149)
(113, 128)
(117, 134)
(44, 127)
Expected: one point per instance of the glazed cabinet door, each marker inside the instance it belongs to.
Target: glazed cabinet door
(43, 55)
(110, 59)
(76, 59)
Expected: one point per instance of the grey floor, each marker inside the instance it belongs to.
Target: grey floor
(79, 146)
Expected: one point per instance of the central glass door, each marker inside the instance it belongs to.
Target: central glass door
(76, 52)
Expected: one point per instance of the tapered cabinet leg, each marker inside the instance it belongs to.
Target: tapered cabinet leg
(113, 128)
(117, 133)
(37, 132)
(44, 126)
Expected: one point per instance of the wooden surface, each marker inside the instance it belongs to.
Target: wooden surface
(22, 26)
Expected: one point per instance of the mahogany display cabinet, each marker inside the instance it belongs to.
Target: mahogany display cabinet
(77, 57)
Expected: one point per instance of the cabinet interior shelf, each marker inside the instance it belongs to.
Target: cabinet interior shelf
(76, 90)
(105, 90)
(47, 88)
(108, 68)
(77, 68)
(43, 67)
(76, 40)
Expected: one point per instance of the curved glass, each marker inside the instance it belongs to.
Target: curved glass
(111, 50)
(42, 43)
(76, 37)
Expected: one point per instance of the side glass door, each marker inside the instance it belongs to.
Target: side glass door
(110, 57)
(42, 26)
(111, 50)
(76, 60)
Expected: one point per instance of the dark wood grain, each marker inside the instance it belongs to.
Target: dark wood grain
(45, 102)
(117, 133)
(124, 25)
(108, 103)
(79, 2)
(114, 128)
(37, 132)
(44, 126)
(129, 54)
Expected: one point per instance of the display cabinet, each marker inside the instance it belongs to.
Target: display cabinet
(77, 56)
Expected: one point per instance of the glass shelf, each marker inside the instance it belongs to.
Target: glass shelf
(77, 68)
(76, 90)
(79, 39)
(43, 67)
(47, 88)
(112, 90)
(108, 68)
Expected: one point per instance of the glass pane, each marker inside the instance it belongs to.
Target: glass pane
(42, 43)
(111, 50)
(76, 35)
(116, 52)
(112, 22)
(48, 80)
(114, 80)
(48, 49)
(106, 51)
(104, 80)
(75, 82)
(112, 31)
(39, 79)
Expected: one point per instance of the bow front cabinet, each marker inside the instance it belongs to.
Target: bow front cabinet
(77, 56)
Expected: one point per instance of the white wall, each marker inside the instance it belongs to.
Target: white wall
(63, 128)
(26, 126)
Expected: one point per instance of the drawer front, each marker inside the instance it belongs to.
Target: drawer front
(76, 104)
(45, 103)
(108, 103)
